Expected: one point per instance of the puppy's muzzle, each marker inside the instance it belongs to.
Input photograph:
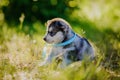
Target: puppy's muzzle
(44, 39)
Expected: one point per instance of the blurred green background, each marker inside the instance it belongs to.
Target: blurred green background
(22, 28)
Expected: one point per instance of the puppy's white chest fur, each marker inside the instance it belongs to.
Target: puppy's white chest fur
(57, 50)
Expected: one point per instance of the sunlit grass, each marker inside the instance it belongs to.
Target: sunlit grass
(20, 54)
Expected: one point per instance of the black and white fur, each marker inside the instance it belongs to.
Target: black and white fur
(58, 31)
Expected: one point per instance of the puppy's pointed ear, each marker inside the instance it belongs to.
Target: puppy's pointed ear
(46, 23)
(64, 27)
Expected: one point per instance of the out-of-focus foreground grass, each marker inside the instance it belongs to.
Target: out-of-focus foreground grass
(20, 54)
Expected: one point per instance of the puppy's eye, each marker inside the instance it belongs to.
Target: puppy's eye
(52, 33)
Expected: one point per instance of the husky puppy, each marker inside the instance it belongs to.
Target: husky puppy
(66, 44)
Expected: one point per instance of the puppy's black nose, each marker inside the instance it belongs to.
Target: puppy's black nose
(44, 38)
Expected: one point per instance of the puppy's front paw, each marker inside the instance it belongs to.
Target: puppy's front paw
(58, 59)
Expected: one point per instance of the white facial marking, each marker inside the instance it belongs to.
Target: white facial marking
(50, 29)
(57, 38)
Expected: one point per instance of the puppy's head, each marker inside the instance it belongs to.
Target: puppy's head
(57, 29)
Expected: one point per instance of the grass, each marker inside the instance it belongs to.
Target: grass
(21, 48)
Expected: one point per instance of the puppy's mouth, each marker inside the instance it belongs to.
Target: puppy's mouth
(49, 42)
